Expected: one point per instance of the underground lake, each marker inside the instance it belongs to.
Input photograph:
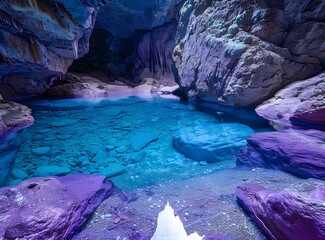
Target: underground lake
(162, 120)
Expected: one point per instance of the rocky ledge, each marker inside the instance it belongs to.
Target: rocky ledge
(285, 215)
(300, 103)
(300, 152)
(52, 207)
(13, 117)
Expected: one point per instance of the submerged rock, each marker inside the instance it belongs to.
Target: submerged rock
(113, 170)
(41, 151)
(211, 143)
(140, 140)
(50, 208)
(298, 152)
(45, 171)
(285, 215)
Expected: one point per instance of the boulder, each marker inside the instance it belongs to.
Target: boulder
(285, 215)
(50, 208)
(301, 102)
(298, 152)
(19, 173)
(51, 170)
(211, 143)
(240, 53)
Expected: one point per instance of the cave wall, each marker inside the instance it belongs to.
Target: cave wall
(240, 53)
(40, 39)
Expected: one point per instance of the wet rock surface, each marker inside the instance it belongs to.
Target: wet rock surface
(50, 208)
(285, 214)
(241, 54)
(211, 143)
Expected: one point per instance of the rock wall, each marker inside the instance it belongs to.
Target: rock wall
(123, 17)
(40, 39)
(240, 53)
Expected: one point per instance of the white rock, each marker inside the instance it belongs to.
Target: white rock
(170, 227)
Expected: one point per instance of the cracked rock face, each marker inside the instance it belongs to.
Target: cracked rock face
(242, 53)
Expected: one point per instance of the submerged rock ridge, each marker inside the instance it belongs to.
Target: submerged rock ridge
(241, 53)
(300, 152)
(300, 103)
(285, 215)
(50, 208)
(40, 39)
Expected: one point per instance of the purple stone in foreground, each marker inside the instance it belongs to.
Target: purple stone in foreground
(285, 215)
(298, 152)
(50, 208)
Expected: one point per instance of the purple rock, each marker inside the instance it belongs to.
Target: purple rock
(285, 215)
(299, 152)
(52, 207)
(299, 102)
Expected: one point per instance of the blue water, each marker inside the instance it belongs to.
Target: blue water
(98, 136)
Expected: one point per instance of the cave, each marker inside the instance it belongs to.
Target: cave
(162, 119)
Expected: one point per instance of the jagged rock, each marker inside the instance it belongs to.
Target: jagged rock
(123, 17)
(285, 215)
(298, 152)
(41, 151)
(211, 143)
(300, 102)
(50, 208)
(242, 53)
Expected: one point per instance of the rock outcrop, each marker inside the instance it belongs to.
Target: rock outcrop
(301, 103)
(50, 208)
(40, 39)
(242, 53)
(285, 215)
(301, 153)
(13, 118)
(211, 143)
